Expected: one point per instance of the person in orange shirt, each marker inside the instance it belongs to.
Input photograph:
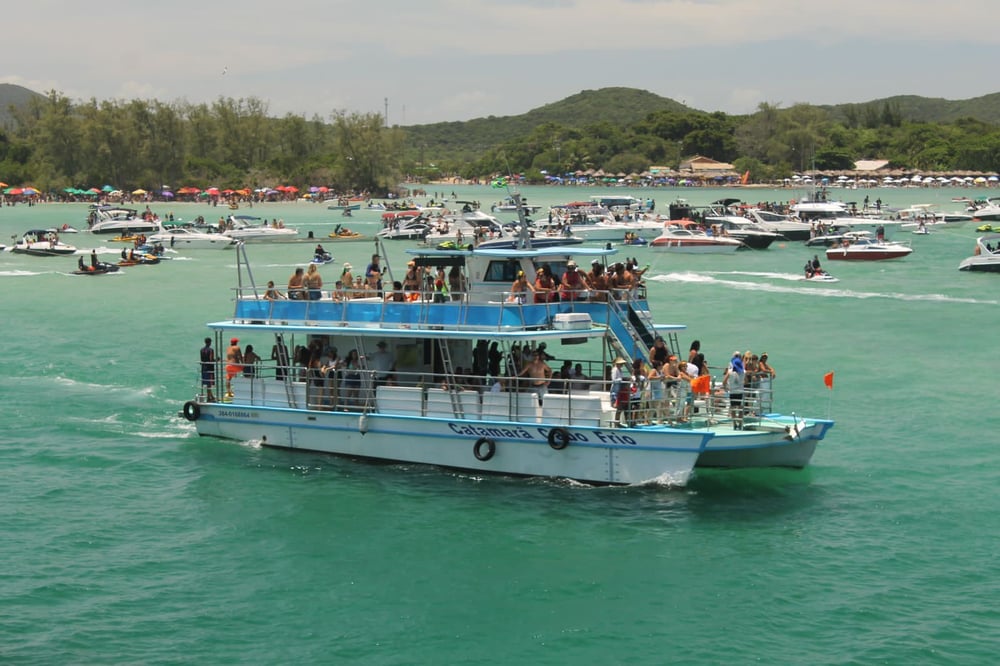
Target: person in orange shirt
(234, 364)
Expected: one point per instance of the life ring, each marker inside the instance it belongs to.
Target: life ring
(477, 448)
(192, 411)
(558, 438)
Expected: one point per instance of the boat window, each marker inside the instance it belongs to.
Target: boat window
(440, 261)
(501, 271)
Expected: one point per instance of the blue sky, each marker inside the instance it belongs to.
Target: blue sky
(447, 60)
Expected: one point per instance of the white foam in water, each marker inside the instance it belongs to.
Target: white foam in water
(707, 278)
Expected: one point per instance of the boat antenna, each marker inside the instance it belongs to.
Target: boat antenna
(504, 182)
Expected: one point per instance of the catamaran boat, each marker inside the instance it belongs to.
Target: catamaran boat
(41, 243)
(866, 249)
(191, 239)
(120, 221)
(681, 240)
(986, 257)
(242, 228)
(418, 396)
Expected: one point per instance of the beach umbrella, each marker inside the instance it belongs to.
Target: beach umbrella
(138, 192)
(30, 191)
(13, 190)
(993, 179)
(3, 184)
(167, 193)
(291, 188)
(107, 188)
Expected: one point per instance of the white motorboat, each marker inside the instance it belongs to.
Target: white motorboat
(186, 238)
(988, 211)
(837, 238)
(986, 257)
(243, 228)
(41, 243)
(787, 226)
(682, 240)
(510, 205)
(866, 249)
(407, 400)
(120, 221)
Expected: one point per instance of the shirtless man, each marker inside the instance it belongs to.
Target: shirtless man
(234, 364)
(296, 285)
(539, 374)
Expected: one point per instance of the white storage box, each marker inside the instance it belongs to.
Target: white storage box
(571, 321)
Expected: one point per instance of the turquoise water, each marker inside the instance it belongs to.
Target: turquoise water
(128, 539)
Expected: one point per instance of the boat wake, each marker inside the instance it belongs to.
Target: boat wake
(709, 278)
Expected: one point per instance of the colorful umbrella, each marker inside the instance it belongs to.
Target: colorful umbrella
(139, 192)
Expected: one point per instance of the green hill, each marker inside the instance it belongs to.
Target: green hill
(13, 95)
(618, 106)
(933, 109)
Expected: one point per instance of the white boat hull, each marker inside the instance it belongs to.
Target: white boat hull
(598, 455)
(693, 247)
(193, 241)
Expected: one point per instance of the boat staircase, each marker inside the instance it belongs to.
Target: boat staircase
(633, 331)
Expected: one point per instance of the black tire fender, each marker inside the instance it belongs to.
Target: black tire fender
(489, 444)
(192, 411)
(558, 438)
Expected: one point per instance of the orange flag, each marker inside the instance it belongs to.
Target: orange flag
(828, 380)
(701, 384)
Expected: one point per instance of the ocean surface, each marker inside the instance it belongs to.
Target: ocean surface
(127, 539)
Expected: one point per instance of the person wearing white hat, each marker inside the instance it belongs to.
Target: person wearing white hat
(573, 286)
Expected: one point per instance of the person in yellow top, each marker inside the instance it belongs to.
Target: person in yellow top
(519, 289)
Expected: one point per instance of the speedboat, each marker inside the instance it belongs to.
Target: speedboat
(988, 211)
(404, 225)
(789, 227)
(866, 249)
(412, 398)
(510, 205)
(119, 221)
(242, 228)
(594, 223)
(751, 234)
(837, 238)
(986, 257)
(191, 239)
(41, 243)
(692, 241)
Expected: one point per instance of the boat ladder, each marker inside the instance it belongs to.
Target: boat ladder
(449, 373)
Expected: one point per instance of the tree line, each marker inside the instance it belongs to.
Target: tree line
(57, 144)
